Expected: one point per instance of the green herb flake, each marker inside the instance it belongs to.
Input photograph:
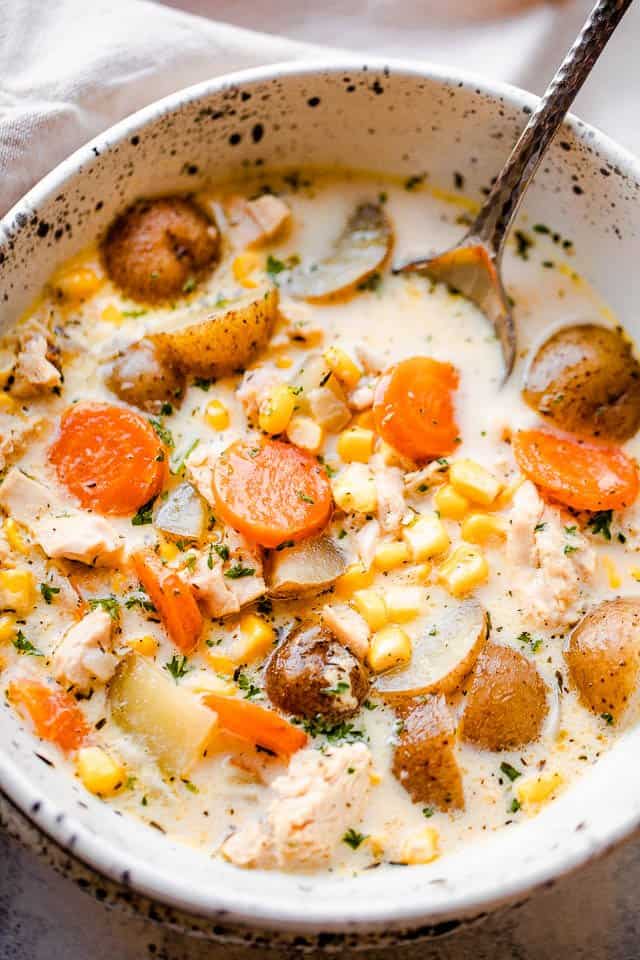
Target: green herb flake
(25, 646)
(139, 600)
(608, 718)
(48, 592)
(428, 812)
(202, 383)
(249, 688)
(275, 266)
(305, 497)
(342, 686)
(523, 244)
(354, 839)
(568, 548)
(178, 667)
(533, 642)
(414, 181)
(191, 787)
(144, 514)
(539, 527)
(110, 605)
(162, 432)
(178, 465)
(222, 550)
(600, 522)
(515, 805)
(189, 285)
(510, 771)
(237, 571)
(371, 283)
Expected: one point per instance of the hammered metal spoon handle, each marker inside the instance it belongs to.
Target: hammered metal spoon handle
(472, 267)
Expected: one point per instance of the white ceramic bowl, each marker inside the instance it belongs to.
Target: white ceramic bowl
(406, 118)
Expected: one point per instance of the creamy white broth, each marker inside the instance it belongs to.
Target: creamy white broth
(403, 317)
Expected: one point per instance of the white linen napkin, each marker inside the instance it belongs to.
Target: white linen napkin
(71, 68)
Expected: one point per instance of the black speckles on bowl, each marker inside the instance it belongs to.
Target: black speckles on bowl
(404, 119)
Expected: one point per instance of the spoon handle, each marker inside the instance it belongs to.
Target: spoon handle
(501, 205)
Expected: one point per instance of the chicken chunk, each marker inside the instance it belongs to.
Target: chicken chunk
(219, 594)
(253, 389)
(60, 530)
(34, 373)
(390, 491)
(349, 627)
(551, 562)
(255, 222)
(321, 796)
(211, 589)
(84, 655)
(367, 540)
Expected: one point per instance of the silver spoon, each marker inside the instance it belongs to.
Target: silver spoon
(473, 266)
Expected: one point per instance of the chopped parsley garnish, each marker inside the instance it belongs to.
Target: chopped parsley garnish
(570, 529)
(515, 805)
(134, 313)
(191, 787)
(177, 667)
(342, 686)
(247, 685)
(427, 812)
(189, 285)
(264, 606)
(510, 771)
(109, 604)
(144, 514)
(568, 548)
(342, 534)
(202, 383)
(370, 705)
(353, 839)
(371, 283)
(222, 550)
(25, 646)
(534, 642)
(178, 465)
(237, 571)
(305, 497)
(334, 732)
(166, 409)
(539, 527)
(523, 244)
(139, 600)
(600, 522)
(275, 266)
(608, 718)
(162, 432)
(48, 592)
(414, 181)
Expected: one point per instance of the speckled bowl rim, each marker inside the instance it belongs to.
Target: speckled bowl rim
(92, 849)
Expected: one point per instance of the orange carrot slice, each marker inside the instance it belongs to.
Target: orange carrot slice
(109, 457)
(579, 473)
(273, 494)
(253, 723)
(172, 598)
(413, 408)
(54, 713)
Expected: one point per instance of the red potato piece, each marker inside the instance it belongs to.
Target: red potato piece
(506, 701)
(424, 760)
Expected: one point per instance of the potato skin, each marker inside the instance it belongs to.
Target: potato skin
(506, 701)
(603, 656)
(155, 246)
(424, 759)
(305, 665)
(586, 380)
(144, 377)
(224, 342)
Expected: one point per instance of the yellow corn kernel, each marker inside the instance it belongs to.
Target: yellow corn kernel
(220, 662)
(17, 591)
(426, 537)
(7, 627)
(146, 646)
(423, 847)
(375, 778)
(635, 573)
(403, 603)
(391, 555)
(111, 314)
(365, 420)
(284, 362)
(370, 604)
(464, 570)
(168, 551)
(482, 527)
(99, 772)
(14, 536)
(305, 433)
(420, 573)
(474, 482)
(276, 409)
(354, 489)
(535, 791)
(377, 845)
(344, 368)
(256, 638)
(356, 444)
(77, 284)
(216, 415)
(449, 503)
(118, 581)
(7, 403)
(611, 571)
(389, 647)
(355, 577)
(243, 267)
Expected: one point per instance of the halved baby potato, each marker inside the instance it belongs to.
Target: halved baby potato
(307, 568)
(603, 656)
(171, 722)
(442, 656)
(424, 760)
(361, 249)
(224, 341)
(586, 380)
(506, 702)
